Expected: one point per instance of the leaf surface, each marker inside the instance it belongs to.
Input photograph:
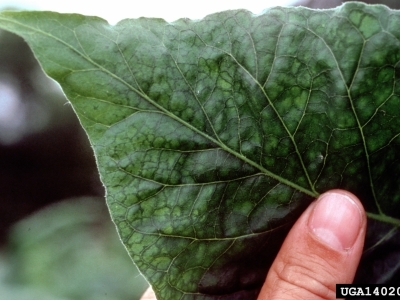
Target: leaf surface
(212, 136)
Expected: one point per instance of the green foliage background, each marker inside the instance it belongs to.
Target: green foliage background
(69, 250)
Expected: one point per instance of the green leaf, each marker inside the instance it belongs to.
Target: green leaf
(212, 136)
(69, 250)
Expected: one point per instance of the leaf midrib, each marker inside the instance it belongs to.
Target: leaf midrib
(380, 217)
(171, 115)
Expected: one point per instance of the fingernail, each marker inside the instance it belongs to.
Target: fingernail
(336, 220)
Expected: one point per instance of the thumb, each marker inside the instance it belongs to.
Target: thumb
(322, 249)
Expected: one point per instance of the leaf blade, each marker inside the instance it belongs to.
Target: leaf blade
(206, 135)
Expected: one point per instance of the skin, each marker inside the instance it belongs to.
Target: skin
(322, 249)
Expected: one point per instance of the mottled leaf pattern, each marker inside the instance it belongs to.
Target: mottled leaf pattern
(212, 136)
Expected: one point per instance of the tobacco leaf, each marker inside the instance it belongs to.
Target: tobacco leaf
(212, 136)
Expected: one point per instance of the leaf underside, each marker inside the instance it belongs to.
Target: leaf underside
(212, 136)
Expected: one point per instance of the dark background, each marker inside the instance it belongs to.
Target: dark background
(57, 241)
(45, 156)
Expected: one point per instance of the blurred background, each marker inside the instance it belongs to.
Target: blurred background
(56, 237)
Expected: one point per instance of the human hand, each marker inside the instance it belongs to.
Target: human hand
(323, 248)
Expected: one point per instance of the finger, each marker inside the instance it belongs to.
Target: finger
(322, 249)
(149, 295)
